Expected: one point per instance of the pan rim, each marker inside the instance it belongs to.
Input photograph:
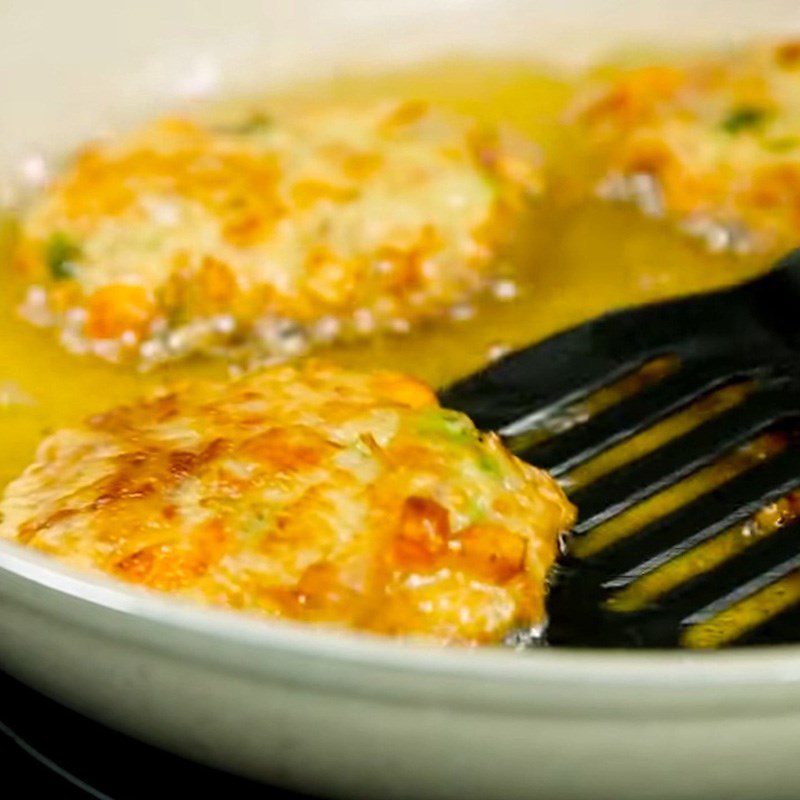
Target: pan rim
(234, 641)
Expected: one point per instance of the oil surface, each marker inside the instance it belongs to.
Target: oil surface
(571, 262)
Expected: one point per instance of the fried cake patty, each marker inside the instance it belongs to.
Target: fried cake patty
(713, 143)
(275, 232)
(307, 492)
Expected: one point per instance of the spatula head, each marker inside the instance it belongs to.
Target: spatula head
(675, 427)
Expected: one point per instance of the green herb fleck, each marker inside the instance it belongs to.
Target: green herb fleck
(450, 424)
(744, 118)
(475, 509)
(489, 464)
(60, 253)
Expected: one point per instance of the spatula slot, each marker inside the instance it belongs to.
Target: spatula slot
(746, 607)
(686, 419)
(586, 403)
(636, 516)
(715, 440)
(616, 425)
(699, 554)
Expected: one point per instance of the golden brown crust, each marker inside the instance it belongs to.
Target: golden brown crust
(711, 142)
(307, 492)
(187, 236)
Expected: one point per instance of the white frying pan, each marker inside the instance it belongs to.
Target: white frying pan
(347, 715)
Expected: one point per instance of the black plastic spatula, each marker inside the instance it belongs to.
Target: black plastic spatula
(675, 427)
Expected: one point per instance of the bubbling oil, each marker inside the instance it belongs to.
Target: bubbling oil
(572, 260)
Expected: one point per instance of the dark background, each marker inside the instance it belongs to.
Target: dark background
(52, 753)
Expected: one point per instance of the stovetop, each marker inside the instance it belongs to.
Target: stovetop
(55, 753)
